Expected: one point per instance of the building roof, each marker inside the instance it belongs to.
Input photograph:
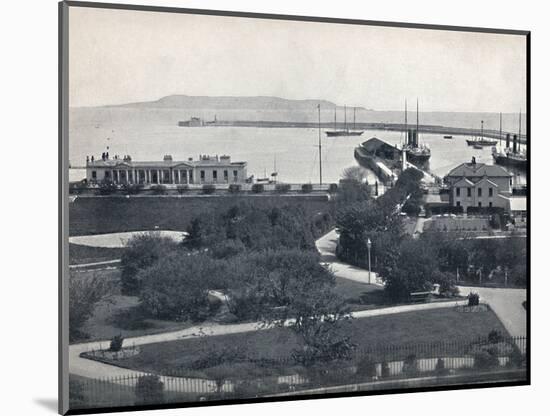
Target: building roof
(463, 182)
(479, 170)
(167, 163)
(373, 144)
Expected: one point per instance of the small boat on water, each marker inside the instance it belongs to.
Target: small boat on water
(447, 136)
(346, 131)
(481, 141)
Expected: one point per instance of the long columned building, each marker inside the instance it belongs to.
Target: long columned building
(205, 170)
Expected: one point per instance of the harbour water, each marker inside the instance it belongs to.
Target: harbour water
(149, 135)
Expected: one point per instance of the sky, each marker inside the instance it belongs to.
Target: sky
(122, 56)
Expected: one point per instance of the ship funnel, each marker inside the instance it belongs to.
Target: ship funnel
(515, 145)
(507, 140)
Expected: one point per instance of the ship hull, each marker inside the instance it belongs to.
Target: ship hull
(505, 160)
(343, 133)
(481, 142)
(418, 159)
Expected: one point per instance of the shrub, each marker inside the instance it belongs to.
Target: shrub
(307, 188)
(282, 188)
(410, 365)
(257, 188)
(473, 299)
(385, 369)
(440, 369)
(116, 343)
(132, 189)
(107, 187)
(234, 188)
(486, 360)
(516, 359)
(495, 337)
(149, 390)
(158, 189)
(208, 189)
(77, 187)
(366, 367)
(182, 188)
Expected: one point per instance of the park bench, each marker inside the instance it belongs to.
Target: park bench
(420, 296)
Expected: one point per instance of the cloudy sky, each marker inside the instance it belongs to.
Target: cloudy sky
(119, 56)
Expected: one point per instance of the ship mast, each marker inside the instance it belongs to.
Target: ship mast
(481, 129)
(334, 117)
(406, 125)
(416, 123)
(353, 118)
(519, 134)
(345, 119)
(320, 158)
(500, 131)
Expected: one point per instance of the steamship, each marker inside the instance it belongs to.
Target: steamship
(511, 156)
(416, 154)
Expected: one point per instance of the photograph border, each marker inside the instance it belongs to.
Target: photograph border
(63, 204)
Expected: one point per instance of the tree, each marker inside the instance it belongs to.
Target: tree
(415, 270)
(141, 252)
(176, 286)
(84, 294)
(149, 390)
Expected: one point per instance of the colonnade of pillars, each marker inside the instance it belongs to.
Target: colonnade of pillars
(151, 176)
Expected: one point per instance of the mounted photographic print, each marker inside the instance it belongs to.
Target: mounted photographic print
(263, 207)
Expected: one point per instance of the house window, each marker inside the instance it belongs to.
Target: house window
(457, 203)
(94, 175)
(479, 204)
(191, 176)
(490, 192)
(107, 174)
(457, 191)
(202, 175)
(225, 175)
(490, 205)
(215, 175)
(235, 175)
(183, 174)
(166, 176)
(479, 192)
(469, 192)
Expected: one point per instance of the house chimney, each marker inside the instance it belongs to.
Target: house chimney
(515, 145)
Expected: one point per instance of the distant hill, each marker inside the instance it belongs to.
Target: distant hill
(233, 103)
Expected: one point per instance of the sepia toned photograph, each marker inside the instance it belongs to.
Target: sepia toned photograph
(261, 207)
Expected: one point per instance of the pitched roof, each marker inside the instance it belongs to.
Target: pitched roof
(478, 170)
(463, 182)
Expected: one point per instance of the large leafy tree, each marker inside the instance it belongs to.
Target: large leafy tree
(142, 251)
(84, 294)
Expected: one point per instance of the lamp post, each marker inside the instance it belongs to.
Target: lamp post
(369, 245)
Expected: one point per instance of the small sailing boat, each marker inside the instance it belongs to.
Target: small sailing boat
(346, 131)
(481, 141)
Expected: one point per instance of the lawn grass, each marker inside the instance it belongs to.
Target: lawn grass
(80, 254)
(118, 314)
(97, 215)
(268, 352)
